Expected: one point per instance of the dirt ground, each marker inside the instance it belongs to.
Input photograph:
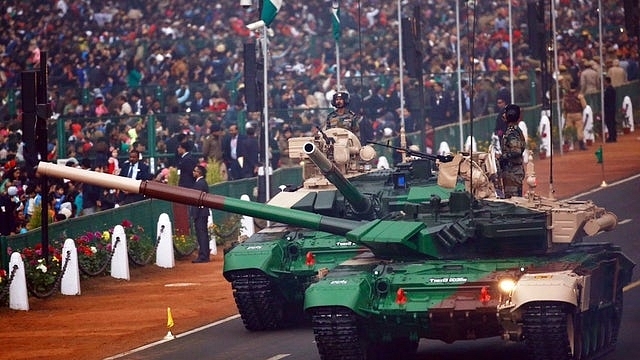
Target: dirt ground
(112, 316)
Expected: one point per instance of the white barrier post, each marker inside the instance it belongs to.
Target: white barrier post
(164, 253)
(120, 259)
(587, 119)
(70, 283)
(18, 296)
(544, 130)
(247, 221)
(213, 248)
(627, 106)
(470, 143)
(444, 148)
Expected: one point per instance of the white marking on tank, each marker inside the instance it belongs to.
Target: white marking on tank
(255, 247)
(338, 282)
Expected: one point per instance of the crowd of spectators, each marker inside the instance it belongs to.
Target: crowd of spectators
(119, 70)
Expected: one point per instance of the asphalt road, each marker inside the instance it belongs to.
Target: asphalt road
(229, 340)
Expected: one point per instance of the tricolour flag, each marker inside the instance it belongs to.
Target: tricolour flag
(270, 9)
(335, 20)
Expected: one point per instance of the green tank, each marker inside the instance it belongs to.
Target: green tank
(516, 269)
(455, 269)
(270, 270)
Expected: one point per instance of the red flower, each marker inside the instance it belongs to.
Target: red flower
(126, 224)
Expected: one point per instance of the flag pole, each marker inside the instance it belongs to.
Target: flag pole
(337, 66)
(335, 12)
(260, 24)
(459, 76)
(265, 112)
(403, 138)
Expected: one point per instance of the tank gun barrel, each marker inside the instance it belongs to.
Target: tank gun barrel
(157, 190)
(359, 202)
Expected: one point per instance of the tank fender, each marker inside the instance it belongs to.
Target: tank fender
(263, 256)
(351, 292)
(562, 286)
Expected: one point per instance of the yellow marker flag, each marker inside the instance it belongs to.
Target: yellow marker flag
(169, 319)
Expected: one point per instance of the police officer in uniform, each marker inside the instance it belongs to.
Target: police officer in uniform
(342, 117)
(513, 145)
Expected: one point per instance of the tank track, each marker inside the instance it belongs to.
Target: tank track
(338, 337)
(548, 325)
(336, 333)
(260, 304)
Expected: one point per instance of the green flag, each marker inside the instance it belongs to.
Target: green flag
(269, 10)
(600, 155)
(335, 20)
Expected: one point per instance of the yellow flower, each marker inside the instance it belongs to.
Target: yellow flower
(106, 235)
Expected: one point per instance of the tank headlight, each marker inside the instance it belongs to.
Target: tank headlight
(507, 285)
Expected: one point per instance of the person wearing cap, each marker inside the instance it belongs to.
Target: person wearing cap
(212, 147)
(589, 78)
(342, 117)
(513, 145)
(573, 102)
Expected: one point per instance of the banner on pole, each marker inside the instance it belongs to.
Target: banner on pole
(335, 20)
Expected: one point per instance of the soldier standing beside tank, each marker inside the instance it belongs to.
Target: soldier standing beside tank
(513, 145)
(342, 117)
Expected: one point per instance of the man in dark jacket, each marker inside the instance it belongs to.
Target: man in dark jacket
(610, 110)
(185, 163)
(252, 151)
(232, 150)
(137, 170)
(200, 215)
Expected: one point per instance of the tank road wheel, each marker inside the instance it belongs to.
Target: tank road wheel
(547, 328)
(260, 304)
(337, 334)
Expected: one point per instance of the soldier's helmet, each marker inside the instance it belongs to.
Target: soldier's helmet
(512, 113)
(340, 95)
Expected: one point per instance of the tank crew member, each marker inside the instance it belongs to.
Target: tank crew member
(513, 145)
(342, 117)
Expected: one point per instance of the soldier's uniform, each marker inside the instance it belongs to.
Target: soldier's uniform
(348, 120)
(342, 117)
(513, 145)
